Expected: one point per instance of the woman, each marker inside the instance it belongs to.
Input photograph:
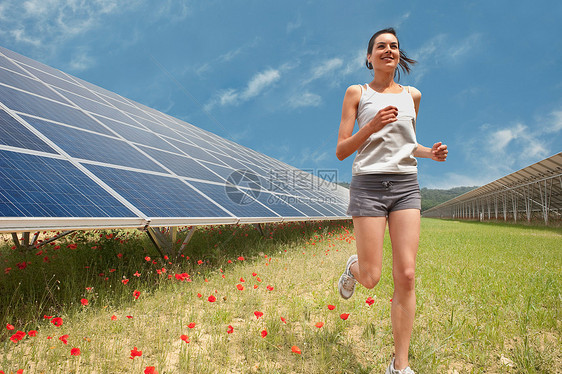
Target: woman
(384, 184)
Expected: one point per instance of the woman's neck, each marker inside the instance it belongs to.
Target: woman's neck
(383, 81)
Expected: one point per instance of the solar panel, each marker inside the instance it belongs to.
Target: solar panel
(74, 155)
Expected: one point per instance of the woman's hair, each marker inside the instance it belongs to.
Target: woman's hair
(405, 61)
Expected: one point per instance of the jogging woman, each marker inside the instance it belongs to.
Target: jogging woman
(384, 186)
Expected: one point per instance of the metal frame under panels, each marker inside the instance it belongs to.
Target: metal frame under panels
(530, 194)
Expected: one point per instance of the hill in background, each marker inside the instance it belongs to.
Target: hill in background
(432, 197)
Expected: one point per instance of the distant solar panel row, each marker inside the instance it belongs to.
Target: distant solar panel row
(73, 155)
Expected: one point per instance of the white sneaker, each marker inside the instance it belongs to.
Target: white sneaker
(391, 370)
(346, 284)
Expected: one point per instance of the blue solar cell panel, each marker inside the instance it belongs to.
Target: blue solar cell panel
(65, 84)
(34, 186)
(157, 196)
(241, 204)
(26, 60)
(14, 134)
(135, 134)
(89, 146)
(157, 128)
(275, 203)
(129, 108)
(26, 103)
(95, 106)
(182, 165)
(195, 151)
(28, 84)
(6, 63)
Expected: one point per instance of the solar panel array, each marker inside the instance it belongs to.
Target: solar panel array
(534, 191)
(74, 155)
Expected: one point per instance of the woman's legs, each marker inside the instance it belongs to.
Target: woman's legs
(404, 229)
(369, 235)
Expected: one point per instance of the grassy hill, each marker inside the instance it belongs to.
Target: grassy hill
(432, 197)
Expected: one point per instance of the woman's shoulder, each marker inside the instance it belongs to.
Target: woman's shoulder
(416, 94)
(354, 92)
(354, 89)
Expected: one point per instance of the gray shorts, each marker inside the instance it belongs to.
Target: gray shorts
(376, 195)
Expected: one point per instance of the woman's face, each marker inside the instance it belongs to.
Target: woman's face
(385, 54)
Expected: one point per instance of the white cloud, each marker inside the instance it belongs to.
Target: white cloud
(259, 82)
(305, 99)
(293, 25)
(325, 68)
(256, 85)
(48, 25)
(442, 50)
(357, 63)
(81, 61)
(555, 124)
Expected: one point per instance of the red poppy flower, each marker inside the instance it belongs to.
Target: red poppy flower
(57, 321)
(212, 299)
(331, 307)
(199, 262)
(283, 320)
(137, 274)
(10, 327)
(17, 336)
(390, 300)
(344, 316)
(113, 317)
(319, 324)
(130, 317)
(32, 333)
(254, 274)
(240, 287)
(270, 288)
(263, 333)
(230, 329)
(296, 350)
(191, 325)
(125, 281)
(136, 294)
(199, 295)
(64, 339)
(240, 258)
(150, 370)
(242, 280)
(135, 353)
(255, 286)
(75, 352)
(147, 258)
(258, 314)
(185, 338)
(120, 255)
(370, 301)
(84, 301)
(229, 261)
(72, 246)
(258, 279)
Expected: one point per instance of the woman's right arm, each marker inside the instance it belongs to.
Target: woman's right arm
(348, 142)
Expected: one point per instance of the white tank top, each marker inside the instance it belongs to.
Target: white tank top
(391, 149)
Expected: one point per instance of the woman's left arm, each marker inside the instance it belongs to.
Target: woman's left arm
(439, 150)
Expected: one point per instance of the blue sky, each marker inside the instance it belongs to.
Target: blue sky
(272, 75)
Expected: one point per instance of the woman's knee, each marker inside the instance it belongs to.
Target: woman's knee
(370, 278)
(405, 279)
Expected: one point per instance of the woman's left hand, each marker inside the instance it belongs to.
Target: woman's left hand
(439, 152)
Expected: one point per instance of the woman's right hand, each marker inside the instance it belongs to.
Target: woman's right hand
(383, 118)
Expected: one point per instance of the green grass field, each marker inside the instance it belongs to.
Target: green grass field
(489, 300)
